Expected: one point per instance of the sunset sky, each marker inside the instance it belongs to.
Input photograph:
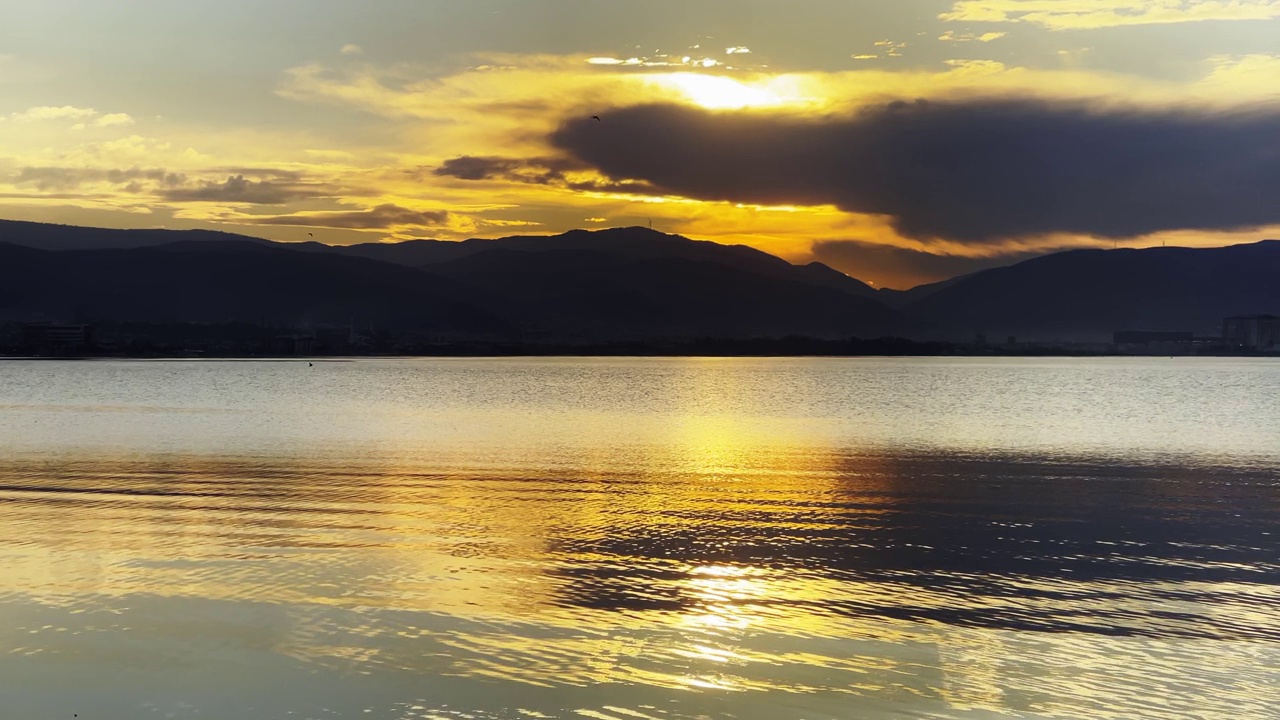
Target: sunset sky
(900, 142)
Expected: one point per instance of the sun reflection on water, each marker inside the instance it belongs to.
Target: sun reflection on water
(693, 565)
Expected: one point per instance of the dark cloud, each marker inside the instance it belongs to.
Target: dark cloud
(976, 170)
(902, 268)
(264, 173)
(380, 217)
(539, 171)
(238, 189)
(535, 171)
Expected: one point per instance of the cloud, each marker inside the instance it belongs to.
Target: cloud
(263, 173)
(80, 117)
(238, 189)
(670, 61)
(271, 186)
(1092, 14)
(381, 217)
(50, 112)
(977, 170)
(892, 266)
(953, 36)
(551, 172)
(350, 49)
(111, 119)
(539, 171)
(48, 179)
(500, 92)
(53, 196)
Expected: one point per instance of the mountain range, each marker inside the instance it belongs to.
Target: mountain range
(610, 285)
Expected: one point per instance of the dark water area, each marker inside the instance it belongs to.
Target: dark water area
(641, 538)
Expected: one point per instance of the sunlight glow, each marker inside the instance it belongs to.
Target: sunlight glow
(715, 92)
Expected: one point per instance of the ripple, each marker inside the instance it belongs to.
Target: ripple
(730, 567)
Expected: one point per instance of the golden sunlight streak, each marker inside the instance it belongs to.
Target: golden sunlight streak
(717, 92)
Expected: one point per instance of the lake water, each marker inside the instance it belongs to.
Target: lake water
(761, 539)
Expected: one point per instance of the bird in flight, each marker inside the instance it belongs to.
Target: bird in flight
(596, 118)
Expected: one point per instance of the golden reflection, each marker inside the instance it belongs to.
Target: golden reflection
(693, 552)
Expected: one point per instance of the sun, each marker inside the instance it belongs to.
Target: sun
(716, 92)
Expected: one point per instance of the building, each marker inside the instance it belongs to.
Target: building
(1144, 337)
(294, 344)
(46, 338)
(1160, 342)
(1259, 333)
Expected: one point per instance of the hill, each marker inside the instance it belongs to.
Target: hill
(1088, 294)
(623, 284)
(232, 282)
(899, 299)
(604, 295)
(630, 244)
(47, 236)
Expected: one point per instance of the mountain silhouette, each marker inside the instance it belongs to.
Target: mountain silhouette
(603, 295)
(1088, 294)
(620, 284)
(48, 236)
(899, 299)
(228, 282)
(623, 284)
(635, 282)
(633, 243)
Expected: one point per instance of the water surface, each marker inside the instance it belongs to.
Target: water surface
(640, 538)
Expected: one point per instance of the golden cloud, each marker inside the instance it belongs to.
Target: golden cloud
(1093, 14)
(50, 112)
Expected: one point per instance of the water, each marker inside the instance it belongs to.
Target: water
(620, 539)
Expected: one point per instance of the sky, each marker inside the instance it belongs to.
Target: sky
(901, 142)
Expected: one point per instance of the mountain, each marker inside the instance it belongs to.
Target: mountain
(1088, 294)
(46, 236)
(899, 299)
(623, 284)
(600, 294)
(607, 285)
(630, 282)
(632, 243)
(228, 282)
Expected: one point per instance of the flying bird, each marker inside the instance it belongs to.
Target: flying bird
(596, 118)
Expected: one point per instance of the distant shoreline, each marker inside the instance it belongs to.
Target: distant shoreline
(176, 346)
(1058, 353)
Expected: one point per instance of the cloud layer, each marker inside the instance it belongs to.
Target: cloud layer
(381, 217)
(552, 172)
(974, 171)
(82, 117)
(1093, 14)
(238, 189)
